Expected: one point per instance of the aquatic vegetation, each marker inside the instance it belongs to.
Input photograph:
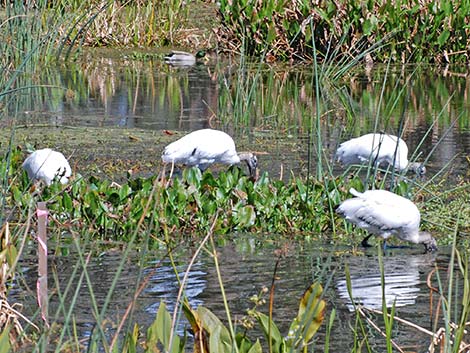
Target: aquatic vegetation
(413, 31)
(187, 204)
(211, 335)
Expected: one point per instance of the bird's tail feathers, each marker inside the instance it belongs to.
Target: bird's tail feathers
(354, 192)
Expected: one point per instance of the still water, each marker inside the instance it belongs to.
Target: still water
(272, 110)
(247, 265)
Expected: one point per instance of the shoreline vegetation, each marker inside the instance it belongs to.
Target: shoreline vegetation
(332, 36)
(377, 31)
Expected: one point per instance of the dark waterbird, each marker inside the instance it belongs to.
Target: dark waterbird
(182, 58)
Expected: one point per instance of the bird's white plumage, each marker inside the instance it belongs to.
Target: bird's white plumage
(46, 165)
(383, 213)
(202, 148)
(381, 149)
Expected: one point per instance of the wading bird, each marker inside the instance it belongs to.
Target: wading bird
(202, 148)
(382, 149)
(384, 213)
(182, 58)
(47, 165)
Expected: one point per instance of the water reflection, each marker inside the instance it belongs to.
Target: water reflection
(401, 278)
(246, 265)
(163, 285)
(277, 107)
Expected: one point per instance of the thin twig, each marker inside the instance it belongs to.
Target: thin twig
(419, 328)
(359, 309)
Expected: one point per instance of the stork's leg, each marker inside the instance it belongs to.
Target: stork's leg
(365, 242)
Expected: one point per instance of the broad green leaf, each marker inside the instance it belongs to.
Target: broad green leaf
(67, 202)
(256, 348)
(5, 340)
(216, 345)
(276, 336)
(200, 336)
(160, 330)
(244, 216)
(212, 324)
(243, 343)
(443, 37)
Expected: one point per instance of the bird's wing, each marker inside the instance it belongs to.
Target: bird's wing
(389, 213)
(201, 147)
(357, 150)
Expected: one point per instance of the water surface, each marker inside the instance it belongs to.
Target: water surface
(247, 264)
(268, 109)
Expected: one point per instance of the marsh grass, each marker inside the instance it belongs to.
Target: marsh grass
(143, 214)
(421, 30)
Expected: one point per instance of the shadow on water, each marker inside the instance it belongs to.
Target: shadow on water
(247, 265)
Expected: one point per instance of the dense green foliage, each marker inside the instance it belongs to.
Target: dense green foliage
(211, 334)
(404, 30)
(188, 204)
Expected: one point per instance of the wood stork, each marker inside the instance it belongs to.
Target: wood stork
(182, 58)
(384, 213)
(381, 149)
(202, 148)
(47, 165)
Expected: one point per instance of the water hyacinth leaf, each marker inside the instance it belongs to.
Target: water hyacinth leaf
(67, 202)
(192, 176)
(244, 216)
(310, 316)
(369, 25)
(124, 192)
(114, 198)
(443, 37)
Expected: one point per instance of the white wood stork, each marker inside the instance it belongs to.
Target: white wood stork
(202, 148)
(47, 165)
(381, 149)
(384, 213)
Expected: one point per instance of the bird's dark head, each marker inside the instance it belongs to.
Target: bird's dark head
(252, 163)
(430, 244)
(200, 54)
(418, 168)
